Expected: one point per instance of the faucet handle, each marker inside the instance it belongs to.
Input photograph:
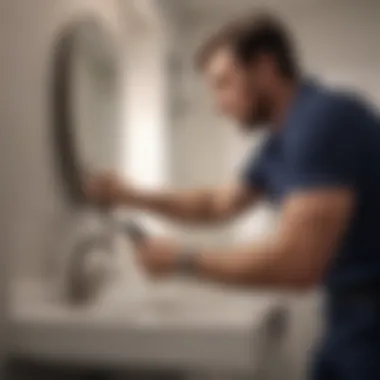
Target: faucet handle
(135, 231)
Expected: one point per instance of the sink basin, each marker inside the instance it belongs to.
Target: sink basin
(192, 327)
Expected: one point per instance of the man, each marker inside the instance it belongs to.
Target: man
(321, 164)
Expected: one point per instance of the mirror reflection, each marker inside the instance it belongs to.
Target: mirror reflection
(88, 102)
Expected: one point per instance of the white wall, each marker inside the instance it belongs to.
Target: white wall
(145, 141)
(144, 159)
(338, 41)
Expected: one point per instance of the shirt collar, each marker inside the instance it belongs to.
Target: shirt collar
(307, 86)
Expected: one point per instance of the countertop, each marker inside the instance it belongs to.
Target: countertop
(191, 326)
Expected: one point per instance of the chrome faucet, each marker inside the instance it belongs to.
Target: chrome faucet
(89, 266)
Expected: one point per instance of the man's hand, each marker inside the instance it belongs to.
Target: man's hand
(158, 256)
(106, 189)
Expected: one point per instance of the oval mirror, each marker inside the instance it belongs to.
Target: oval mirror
(86, 103)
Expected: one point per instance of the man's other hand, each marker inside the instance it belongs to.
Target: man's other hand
(157, 256)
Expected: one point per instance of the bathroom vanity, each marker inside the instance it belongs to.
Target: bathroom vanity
(209, 331)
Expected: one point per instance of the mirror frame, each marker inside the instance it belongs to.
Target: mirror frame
(66, 148)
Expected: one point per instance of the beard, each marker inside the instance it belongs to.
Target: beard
(260, 115)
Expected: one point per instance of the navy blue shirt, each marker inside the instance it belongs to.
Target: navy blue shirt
(329, 139)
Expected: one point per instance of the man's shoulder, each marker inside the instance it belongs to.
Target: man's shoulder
(329, 111)
(328, 103)
(329, 120)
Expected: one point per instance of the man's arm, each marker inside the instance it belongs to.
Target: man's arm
(197, 206)
(324, 170)
(311, 227)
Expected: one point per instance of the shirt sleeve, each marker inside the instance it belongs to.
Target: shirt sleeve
(326, 150)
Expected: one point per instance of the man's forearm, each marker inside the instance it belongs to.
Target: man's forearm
(261, 265)
(191, 206)
(296, 256)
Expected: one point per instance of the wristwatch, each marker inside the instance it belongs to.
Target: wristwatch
(187, 262)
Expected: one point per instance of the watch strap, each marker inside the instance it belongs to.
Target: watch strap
(187, 262)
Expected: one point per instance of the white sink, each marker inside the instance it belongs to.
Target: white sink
(193, 327)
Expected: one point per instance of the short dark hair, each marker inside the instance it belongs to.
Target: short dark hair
(250, 36)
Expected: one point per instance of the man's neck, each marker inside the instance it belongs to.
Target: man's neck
(283, 96)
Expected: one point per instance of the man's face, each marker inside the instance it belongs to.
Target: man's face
(240, 92)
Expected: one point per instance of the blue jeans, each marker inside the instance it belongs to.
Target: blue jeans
(350, 349)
